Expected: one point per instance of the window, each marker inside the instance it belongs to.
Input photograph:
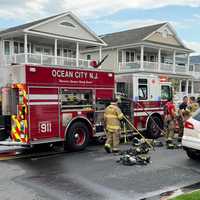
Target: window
(58, 52)
(7, 47)
(43, 50)
(69, 53)
(152, 58)
(88, 57)
(166, 92)
(183, 86)
(123, 88)
(129, 56)
(16, 49)
(142, 89)
(38, 49)
(65, 23)
(76, 98)
(47, 51)
(21, 48)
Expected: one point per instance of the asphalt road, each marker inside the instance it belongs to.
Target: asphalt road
(95, 175)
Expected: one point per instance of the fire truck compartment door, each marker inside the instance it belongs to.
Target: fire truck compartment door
(43, 113)
(44, 121)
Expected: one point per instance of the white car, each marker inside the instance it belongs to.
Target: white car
(191, 136)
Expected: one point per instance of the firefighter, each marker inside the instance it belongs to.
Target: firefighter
(112, 118)
(193, 105)
(170, 115)
(182, 112)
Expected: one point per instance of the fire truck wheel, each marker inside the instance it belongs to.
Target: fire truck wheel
(3, 135)
(154, 127)
(77, 137)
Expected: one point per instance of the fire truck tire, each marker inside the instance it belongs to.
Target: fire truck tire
(152, 129)
(3, 135)
(77, 137)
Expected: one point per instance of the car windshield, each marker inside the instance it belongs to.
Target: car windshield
(196, 115)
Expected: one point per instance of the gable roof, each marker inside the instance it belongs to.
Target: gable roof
(139, 35)
(130, 36)
(27, 25)
(30, 25)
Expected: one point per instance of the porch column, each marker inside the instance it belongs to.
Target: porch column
(122, 64)
(25, 48)
(188, 62)
(100, 53)
(174, 61)
(55, 51)
(180, 84)
(12, 46)
(135, 57)
(159, 58)
(77, 54)
(187, 84)
(142, 58)
(192, 87)
(1, 53)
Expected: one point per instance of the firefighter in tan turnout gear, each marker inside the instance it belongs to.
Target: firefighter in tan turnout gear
(112, 117)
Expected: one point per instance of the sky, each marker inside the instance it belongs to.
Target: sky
(106, 16)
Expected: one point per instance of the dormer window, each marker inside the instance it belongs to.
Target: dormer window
(68, 24)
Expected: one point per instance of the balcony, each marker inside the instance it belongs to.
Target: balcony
(153, 67)
(43, 59)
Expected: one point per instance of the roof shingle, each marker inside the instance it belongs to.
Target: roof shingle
(130, 36)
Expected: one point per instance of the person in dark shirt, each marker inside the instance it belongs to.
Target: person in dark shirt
(181, 117)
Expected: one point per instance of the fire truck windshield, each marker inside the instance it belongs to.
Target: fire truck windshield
(166, 92)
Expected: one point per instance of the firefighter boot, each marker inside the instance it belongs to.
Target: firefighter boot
(170, 144)
(107, 148)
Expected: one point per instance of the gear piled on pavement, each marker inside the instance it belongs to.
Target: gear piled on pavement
(134, 160)
(171, 145)
(137, 155)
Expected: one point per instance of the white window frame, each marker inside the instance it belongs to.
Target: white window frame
(129, 59)
(4, 47)
(43, 47)
(18, 46)
(68, 53)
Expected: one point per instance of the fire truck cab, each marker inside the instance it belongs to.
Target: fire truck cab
(55, 104)
(142, 100)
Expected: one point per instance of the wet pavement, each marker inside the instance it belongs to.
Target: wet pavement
(94, 175)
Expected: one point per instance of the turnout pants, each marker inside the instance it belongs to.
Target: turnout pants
(181, 126)
(170, 129)
(113, 139)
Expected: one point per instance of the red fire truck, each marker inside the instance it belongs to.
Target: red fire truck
(55, 104)
(143, 98)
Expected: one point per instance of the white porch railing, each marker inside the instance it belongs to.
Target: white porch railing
(154, 67)
(150, 66)
(44, 60)
(129, 66)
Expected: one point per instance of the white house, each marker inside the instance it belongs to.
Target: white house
(154, 49)
(56, 40)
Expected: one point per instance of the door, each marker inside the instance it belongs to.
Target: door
(44, 113)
